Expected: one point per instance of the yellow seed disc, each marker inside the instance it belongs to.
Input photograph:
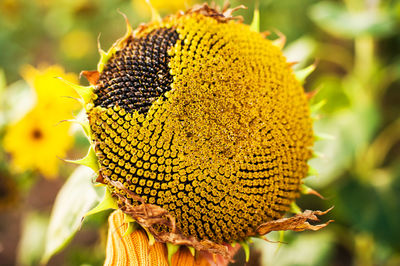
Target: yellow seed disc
(205, 118)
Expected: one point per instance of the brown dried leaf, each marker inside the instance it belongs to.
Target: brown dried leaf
(229, 12)
(297, 223)
(91, 76)
(148, 215)
(215, 12)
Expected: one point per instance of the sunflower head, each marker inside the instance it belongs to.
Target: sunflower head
(200, 121)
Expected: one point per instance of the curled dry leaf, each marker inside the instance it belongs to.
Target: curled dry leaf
(297, 223)
(148, 215)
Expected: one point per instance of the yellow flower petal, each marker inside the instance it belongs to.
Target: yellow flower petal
(36, 141)
(51, 92)
(131, 249)
(162, 5)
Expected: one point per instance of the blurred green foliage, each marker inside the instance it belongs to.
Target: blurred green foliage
(356, 44)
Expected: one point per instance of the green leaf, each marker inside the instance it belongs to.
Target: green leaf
(31, 244)
(300, 51)
(75, 199)
(335, 19)
(347, 142)
(300, 249)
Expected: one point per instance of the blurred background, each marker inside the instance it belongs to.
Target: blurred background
(356, 44)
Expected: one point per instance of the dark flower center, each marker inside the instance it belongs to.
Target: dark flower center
(36, 134)
(138, 74)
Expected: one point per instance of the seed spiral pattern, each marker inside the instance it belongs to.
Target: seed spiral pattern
(221, 141)
(138, 74)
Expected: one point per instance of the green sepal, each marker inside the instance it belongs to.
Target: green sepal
(317, 106)
(83, 121)
(107, 203)
(171, 249)
(255, 24)
(104, 57)
(281, 238)
(129, 29)
(90, 160)
(323, 136)
(246, 249)
(316, 154)
(294, 208)
(155, 16)
(132, 224)
(302, 74)
(84, 124)
(192, 250)
(152, 240)
(132, 227)
(85, 92)
(307, 191)
(312, 171)
(128, 218)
